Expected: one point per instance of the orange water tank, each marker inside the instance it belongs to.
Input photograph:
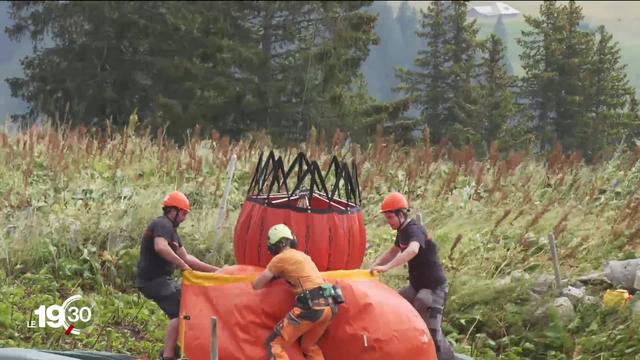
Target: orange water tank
(375, 322)
(321, 208)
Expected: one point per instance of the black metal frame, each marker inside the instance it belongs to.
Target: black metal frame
(272, 172)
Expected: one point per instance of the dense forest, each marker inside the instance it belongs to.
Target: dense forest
(292, 67)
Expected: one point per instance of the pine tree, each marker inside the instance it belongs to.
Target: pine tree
(170, 61)
(312, 53)
(427, 85)
(233, 66)
(443, 84)
(407, 20)
(497, 91)
(633, 121)
(543, 60)
(576, 48)
(501, 31)
(461, 51)
(378, 68)
(574, 81)
(608, 96)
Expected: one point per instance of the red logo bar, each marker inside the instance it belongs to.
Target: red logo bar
(68, 331)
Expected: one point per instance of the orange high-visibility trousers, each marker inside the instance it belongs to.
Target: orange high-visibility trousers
(310, 324)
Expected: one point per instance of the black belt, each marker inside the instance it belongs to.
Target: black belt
(323, 295)
(315, 294)
(322, 302)
(315, 297)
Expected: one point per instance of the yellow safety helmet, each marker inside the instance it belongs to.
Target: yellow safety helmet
(276, 235)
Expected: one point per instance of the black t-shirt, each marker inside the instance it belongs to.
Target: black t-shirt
(425, 270)
(151, 265)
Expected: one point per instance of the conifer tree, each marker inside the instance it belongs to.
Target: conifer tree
(232, 66)
(496, 91)
(461, 52)
(608, 94)
(501, 32)
(574, 82)
(442, 84)
(407, 20)
(378, 68)
(555, 59)
(426, 86)
(576, 47)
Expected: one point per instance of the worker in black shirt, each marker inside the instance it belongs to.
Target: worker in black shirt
(427, 289)
(161, 251)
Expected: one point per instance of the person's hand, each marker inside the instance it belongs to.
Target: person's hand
(214, 269)
(221, 268)
(185, 267)
(377, 270)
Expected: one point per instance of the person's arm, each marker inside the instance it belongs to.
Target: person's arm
(161, 245)
(409, 253)
(387, 256)
(263, 280)
(194, 262)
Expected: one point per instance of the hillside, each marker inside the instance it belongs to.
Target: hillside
(75, 202)
(621, 18)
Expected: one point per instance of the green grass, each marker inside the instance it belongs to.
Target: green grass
(74, 203)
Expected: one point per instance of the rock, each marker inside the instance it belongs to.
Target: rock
(546, 283)
(575, 295)
(543, 284)
(636, 283)
(578, 285)
(504, 281)
(594, 279)
(515, 276)
(519, 276)
(622, 273)
(565, 309)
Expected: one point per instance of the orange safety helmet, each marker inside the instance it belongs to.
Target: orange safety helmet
(394, 201)
(176, 199)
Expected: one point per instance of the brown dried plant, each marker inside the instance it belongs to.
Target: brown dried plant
(514, 160)
(494, 154)
(555, 160)
(505, 214)
(561, 225)
(537, 216)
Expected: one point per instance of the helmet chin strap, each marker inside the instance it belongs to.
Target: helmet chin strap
(174, 221)
(402, 220)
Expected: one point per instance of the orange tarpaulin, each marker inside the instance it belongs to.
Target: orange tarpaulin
(375, 322)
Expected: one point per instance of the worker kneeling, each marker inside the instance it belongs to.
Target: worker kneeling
(316, 301)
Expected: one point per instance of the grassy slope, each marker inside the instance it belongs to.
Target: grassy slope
(72, 208)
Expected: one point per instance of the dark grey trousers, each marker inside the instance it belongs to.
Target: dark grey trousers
(430, 306)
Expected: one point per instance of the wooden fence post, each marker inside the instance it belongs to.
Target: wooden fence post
(227, 188)
(214, 338)
(554, 258)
